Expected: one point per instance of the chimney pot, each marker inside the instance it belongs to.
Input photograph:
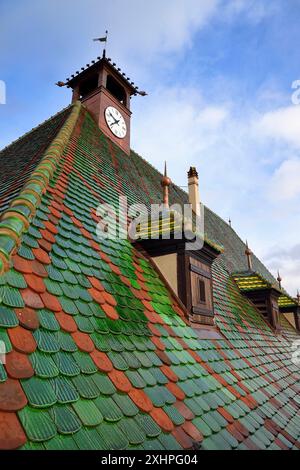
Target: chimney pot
(192, 172)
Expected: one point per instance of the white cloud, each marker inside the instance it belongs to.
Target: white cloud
(138, 30)
(235, 166)
(284, 185)
(254, 10)
(287, 261)
(175, 124)
(282, 124)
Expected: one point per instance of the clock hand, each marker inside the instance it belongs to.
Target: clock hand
(116, 122)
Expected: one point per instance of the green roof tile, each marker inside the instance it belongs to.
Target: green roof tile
(66, 364)
(48, 320)
(11, 297)
(65, 419)
(39, 392)
(38, 424)
(43, 365)
(8, 318)
(61, 442)
(85, 386)
(113, 436)
(89, 439)
(64, 390)
(104, 384)
(125, 404)
(47, 341)
(87, 412)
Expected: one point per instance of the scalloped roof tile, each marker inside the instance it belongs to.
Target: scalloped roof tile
(100, 356)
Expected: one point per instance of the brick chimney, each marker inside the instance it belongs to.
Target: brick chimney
(194, 197)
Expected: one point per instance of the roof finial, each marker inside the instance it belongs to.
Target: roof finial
(103, 39)
(248, 253)
(165, 182)
(229, 221)
(279, 279)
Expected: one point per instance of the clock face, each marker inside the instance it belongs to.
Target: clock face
(115, 122)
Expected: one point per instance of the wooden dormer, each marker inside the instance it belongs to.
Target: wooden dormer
(187, 271)
(269, 299)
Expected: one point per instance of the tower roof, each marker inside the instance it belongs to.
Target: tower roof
(94, 66)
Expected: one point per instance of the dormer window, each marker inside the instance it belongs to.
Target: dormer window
(202, 292)
(201, 283)
(290, 308)
(263, 295)
(186, 268)
(269, 298)
(187, 272)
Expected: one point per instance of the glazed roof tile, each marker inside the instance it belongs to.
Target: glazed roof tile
(99, 356)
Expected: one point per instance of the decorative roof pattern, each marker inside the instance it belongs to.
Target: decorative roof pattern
(19, 159)
(174, 224)
(99, 353)
(16, 220)
(250, 280)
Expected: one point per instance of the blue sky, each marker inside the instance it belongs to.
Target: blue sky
(218, 74)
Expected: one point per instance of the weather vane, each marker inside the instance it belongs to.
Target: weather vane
(103, 39)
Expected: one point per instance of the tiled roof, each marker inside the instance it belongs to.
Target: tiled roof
(172, 223)
(19, 159)
(99, 354)
(248, 281)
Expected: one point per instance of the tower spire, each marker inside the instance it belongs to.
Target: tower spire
(279, 279)
(165, 182)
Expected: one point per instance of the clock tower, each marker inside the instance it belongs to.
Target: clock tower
(106, 92)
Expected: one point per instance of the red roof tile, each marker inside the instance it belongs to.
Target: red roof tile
(18, 365)
(83, 341)
(28, 318)
(35, 283)
(12, 397)
(103, 362)
(32, 299)
(162, 419)
(12, 435)
(66, 322)
(141, 400)
(120, 381)
(22, 340)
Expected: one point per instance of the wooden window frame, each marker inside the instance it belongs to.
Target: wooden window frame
(198, 313)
